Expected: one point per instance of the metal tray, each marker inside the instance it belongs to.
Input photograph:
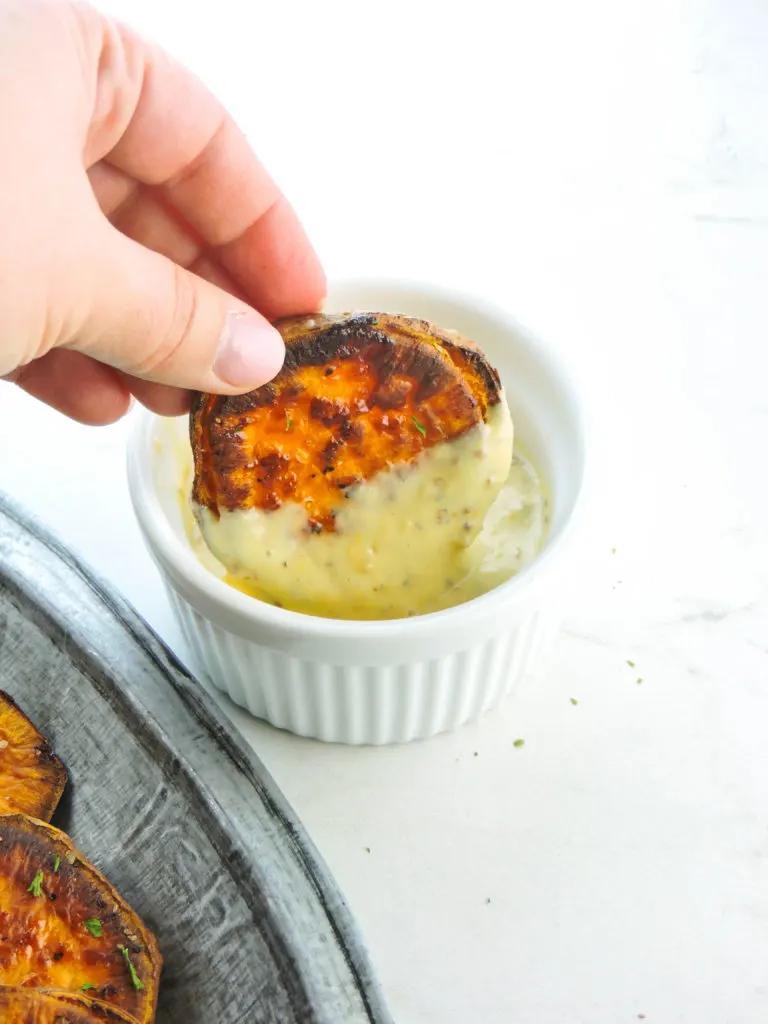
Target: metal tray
(172, 805)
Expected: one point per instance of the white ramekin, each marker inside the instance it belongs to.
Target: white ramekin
(381, 682)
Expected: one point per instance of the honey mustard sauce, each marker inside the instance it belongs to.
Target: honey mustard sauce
(460, 519)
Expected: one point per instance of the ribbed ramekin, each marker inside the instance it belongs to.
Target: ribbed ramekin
(393, 681)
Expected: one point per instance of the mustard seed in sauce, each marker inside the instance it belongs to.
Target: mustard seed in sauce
(490, 513)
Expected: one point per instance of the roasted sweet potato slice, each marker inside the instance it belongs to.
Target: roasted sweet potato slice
(51, 1006)
(32, 778)
(63, 926)
(357, 394)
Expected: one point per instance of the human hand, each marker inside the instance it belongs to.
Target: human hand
(139, 233)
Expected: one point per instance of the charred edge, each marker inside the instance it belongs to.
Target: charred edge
(6, 698)
(35, 849)
(203, 490)
(476, 362)
(46, 755)
(428, 368)
(372, 336)
(460, 350)
(487, 373)
(338, 341)
(67, 1007)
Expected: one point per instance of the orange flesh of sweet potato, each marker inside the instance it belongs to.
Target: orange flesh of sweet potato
(357, 394)
(41, 1006)
(32, 778)
(63, 926)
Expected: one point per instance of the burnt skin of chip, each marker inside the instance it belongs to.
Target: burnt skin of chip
(52, 1006)
(358, 394)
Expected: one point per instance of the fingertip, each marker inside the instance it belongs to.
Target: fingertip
(251, 351)
(171, 327)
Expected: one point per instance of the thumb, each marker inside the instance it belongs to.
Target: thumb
(147, 316)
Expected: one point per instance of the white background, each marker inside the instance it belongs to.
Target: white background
(601, 169)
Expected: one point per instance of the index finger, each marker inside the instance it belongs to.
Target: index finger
(178, 137)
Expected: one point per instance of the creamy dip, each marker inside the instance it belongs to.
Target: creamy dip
(462, 518)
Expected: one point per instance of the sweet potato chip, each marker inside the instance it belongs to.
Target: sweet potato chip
(32, 778)
(62, 925)
(357, 394)
(41, 1006)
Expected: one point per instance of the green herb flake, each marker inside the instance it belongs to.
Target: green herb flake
(639, 681)
(87, 987)
(93, 924)
(419, 426)
(630, 663)
(56, 864)
(138, 984)
(519, 743)
(36, 888)
(574, 701)
(288, 421)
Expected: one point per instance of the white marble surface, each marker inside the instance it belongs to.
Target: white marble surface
(601, 169)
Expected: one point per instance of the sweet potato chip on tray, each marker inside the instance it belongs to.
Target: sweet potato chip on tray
(62, 925)
(32, 778)
(41, 1006)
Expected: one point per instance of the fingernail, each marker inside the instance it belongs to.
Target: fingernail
(251, 351)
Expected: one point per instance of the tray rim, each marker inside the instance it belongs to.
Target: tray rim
(222, 733)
